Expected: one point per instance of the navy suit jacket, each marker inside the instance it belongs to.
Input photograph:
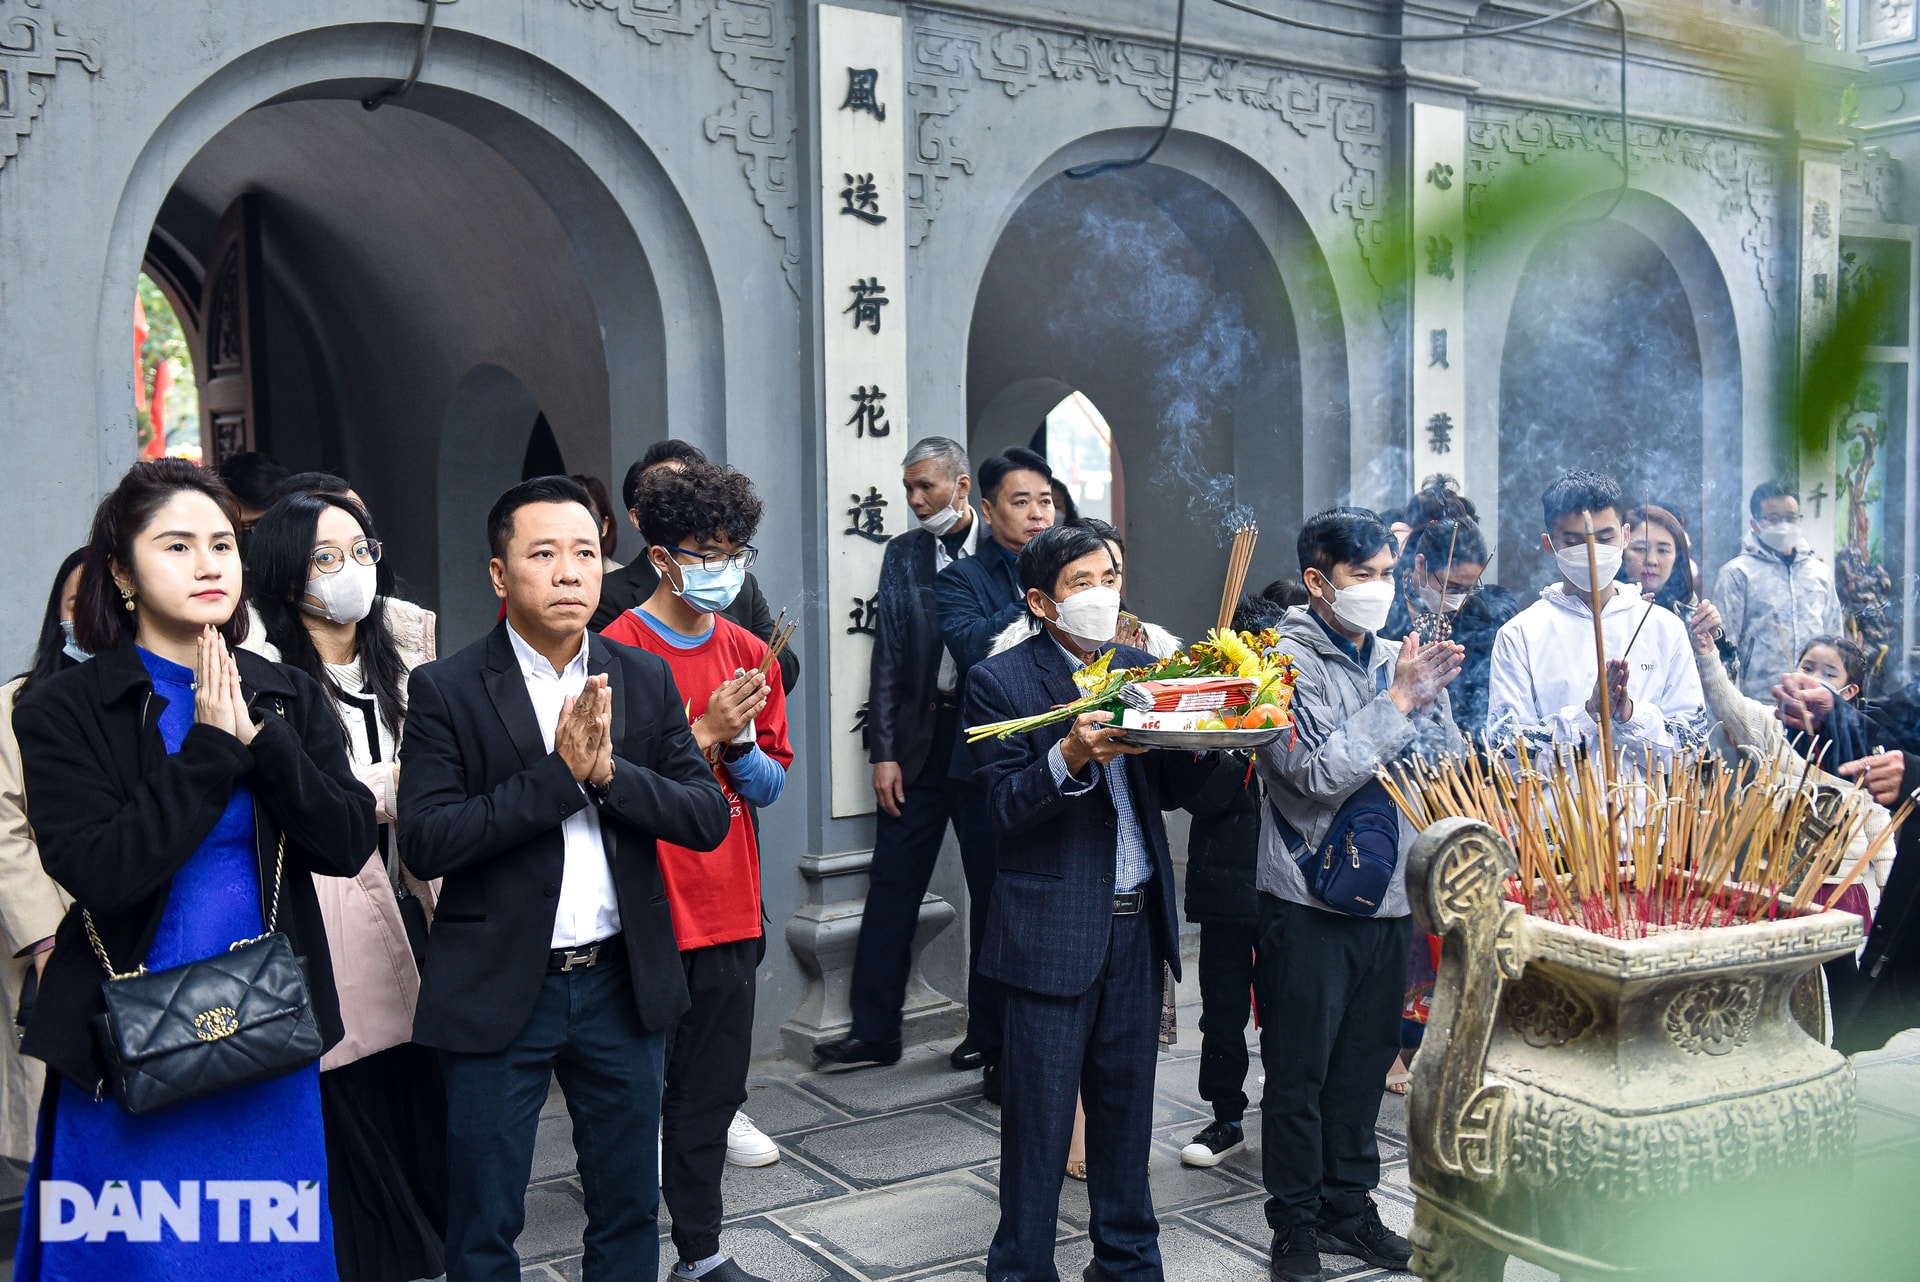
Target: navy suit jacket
(1051, 913)
(977, 597)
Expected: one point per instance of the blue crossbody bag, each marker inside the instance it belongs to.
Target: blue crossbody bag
(1351, 868)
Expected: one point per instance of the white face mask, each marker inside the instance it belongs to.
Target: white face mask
(1573, 563)
(1090, 617)
(345, 596)
(1364, 606)
(1434, 601)
(1781, 538)
(942, 521)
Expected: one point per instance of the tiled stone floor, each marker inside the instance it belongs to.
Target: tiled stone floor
(890, 1173)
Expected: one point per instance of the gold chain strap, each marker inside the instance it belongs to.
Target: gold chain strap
(273, 916)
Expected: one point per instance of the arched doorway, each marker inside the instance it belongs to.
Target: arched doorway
(1151, 295)
(1620, 356)
(493, 216)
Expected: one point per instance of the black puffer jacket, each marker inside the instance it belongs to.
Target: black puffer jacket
(1223, 848)
(115, 816)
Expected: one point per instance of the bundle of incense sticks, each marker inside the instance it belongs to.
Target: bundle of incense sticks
(1243, 540)
(782, 633)
(1687, 843)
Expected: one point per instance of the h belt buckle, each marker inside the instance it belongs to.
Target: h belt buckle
(583, 956)
(1129, 902)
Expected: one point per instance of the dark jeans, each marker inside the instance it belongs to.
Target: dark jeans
(1226, 1003)
(1330, 988)
(708, 1050)
(905, 851)
(585, 1030)
(1105, 1044)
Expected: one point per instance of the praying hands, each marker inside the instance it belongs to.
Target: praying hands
(584, 735)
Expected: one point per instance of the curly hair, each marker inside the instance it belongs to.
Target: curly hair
(698, 501)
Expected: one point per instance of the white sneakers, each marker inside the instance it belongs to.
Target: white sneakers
(747, 1146)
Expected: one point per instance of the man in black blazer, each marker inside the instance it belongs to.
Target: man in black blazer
(623, 589)
(978, 596)
(1081, 924)
(539, 767)
(913, 718)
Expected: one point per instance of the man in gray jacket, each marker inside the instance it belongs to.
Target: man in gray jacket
(1330, 984)
(1777, 595)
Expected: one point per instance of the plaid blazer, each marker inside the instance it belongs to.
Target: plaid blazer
(1051, 912)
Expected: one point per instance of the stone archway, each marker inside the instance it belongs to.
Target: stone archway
(1620, 354)
(495, 214)
(1169, 294)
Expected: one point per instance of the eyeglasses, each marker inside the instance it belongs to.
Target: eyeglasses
(328, 559)
(714, 562)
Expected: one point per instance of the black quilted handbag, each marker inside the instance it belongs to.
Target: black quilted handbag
(175, 1036)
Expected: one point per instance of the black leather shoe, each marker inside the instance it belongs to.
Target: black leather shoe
(990, 1084)
(1295, 1255)
(966, 1057)
(1364, 1237)
(851, 1052)
(1094, 1273)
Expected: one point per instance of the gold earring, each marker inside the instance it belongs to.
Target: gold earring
(126, 596)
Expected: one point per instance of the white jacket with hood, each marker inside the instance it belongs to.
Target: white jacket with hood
(1544, 668)
(1346, 726)
(1771, 606)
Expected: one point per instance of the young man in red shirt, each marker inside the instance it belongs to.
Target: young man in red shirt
(697, 520)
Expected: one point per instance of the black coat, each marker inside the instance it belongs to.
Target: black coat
(481, 804)
(903, 690)
(1050, 919)
(634, 582)
(115, 816)
(1223, 846)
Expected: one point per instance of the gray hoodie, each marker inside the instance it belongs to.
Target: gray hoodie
(1771, 607)
(1345, 725)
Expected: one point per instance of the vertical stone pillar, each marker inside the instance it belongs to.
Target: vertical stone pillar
(1819, 295)
(860, 113)
(824, 934)
(1437, 267)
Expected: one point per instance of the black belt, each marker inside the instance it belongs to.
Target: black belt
(581, 956)
(1129, 902)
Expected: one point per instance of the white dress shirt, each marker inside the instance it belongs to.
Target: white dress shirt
(948, 680)
(588, 910)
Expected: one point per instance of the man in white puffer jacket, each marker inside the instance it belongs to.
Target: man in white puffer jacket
(1542, 681)
(1777, 595)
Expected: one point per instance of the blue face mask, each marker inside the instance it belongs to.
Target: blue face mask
(710, 591)
(72, 648)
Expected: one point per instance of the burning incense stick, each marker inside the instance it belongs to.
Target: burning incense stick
(1710, 845)
(1601, 693)
(1651, 607)
(782, 633)
(1237, 565)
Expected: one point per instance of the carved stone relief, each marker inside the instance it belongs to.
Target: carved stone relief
(1884, 20)
(33, 45)
(752, 43)
(953, 56)
(1743, 176)
(1869, 186)
(1715, 1016)
(1543, 1012)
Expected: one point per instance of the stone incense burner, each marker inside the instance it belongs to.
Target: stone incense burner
(1573, 1084)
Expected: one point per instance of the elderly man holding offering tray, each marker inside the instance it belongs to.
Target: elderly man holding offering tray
(1081, 921)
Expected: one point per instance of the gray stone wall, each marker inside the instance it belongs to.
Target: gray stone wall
(600, 211)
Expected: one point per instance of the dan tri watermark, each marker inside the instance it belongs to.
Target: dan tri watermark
(192, 1211)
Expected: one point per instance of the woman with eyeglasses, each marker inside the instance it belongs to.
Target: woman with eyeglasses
(312, 566)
